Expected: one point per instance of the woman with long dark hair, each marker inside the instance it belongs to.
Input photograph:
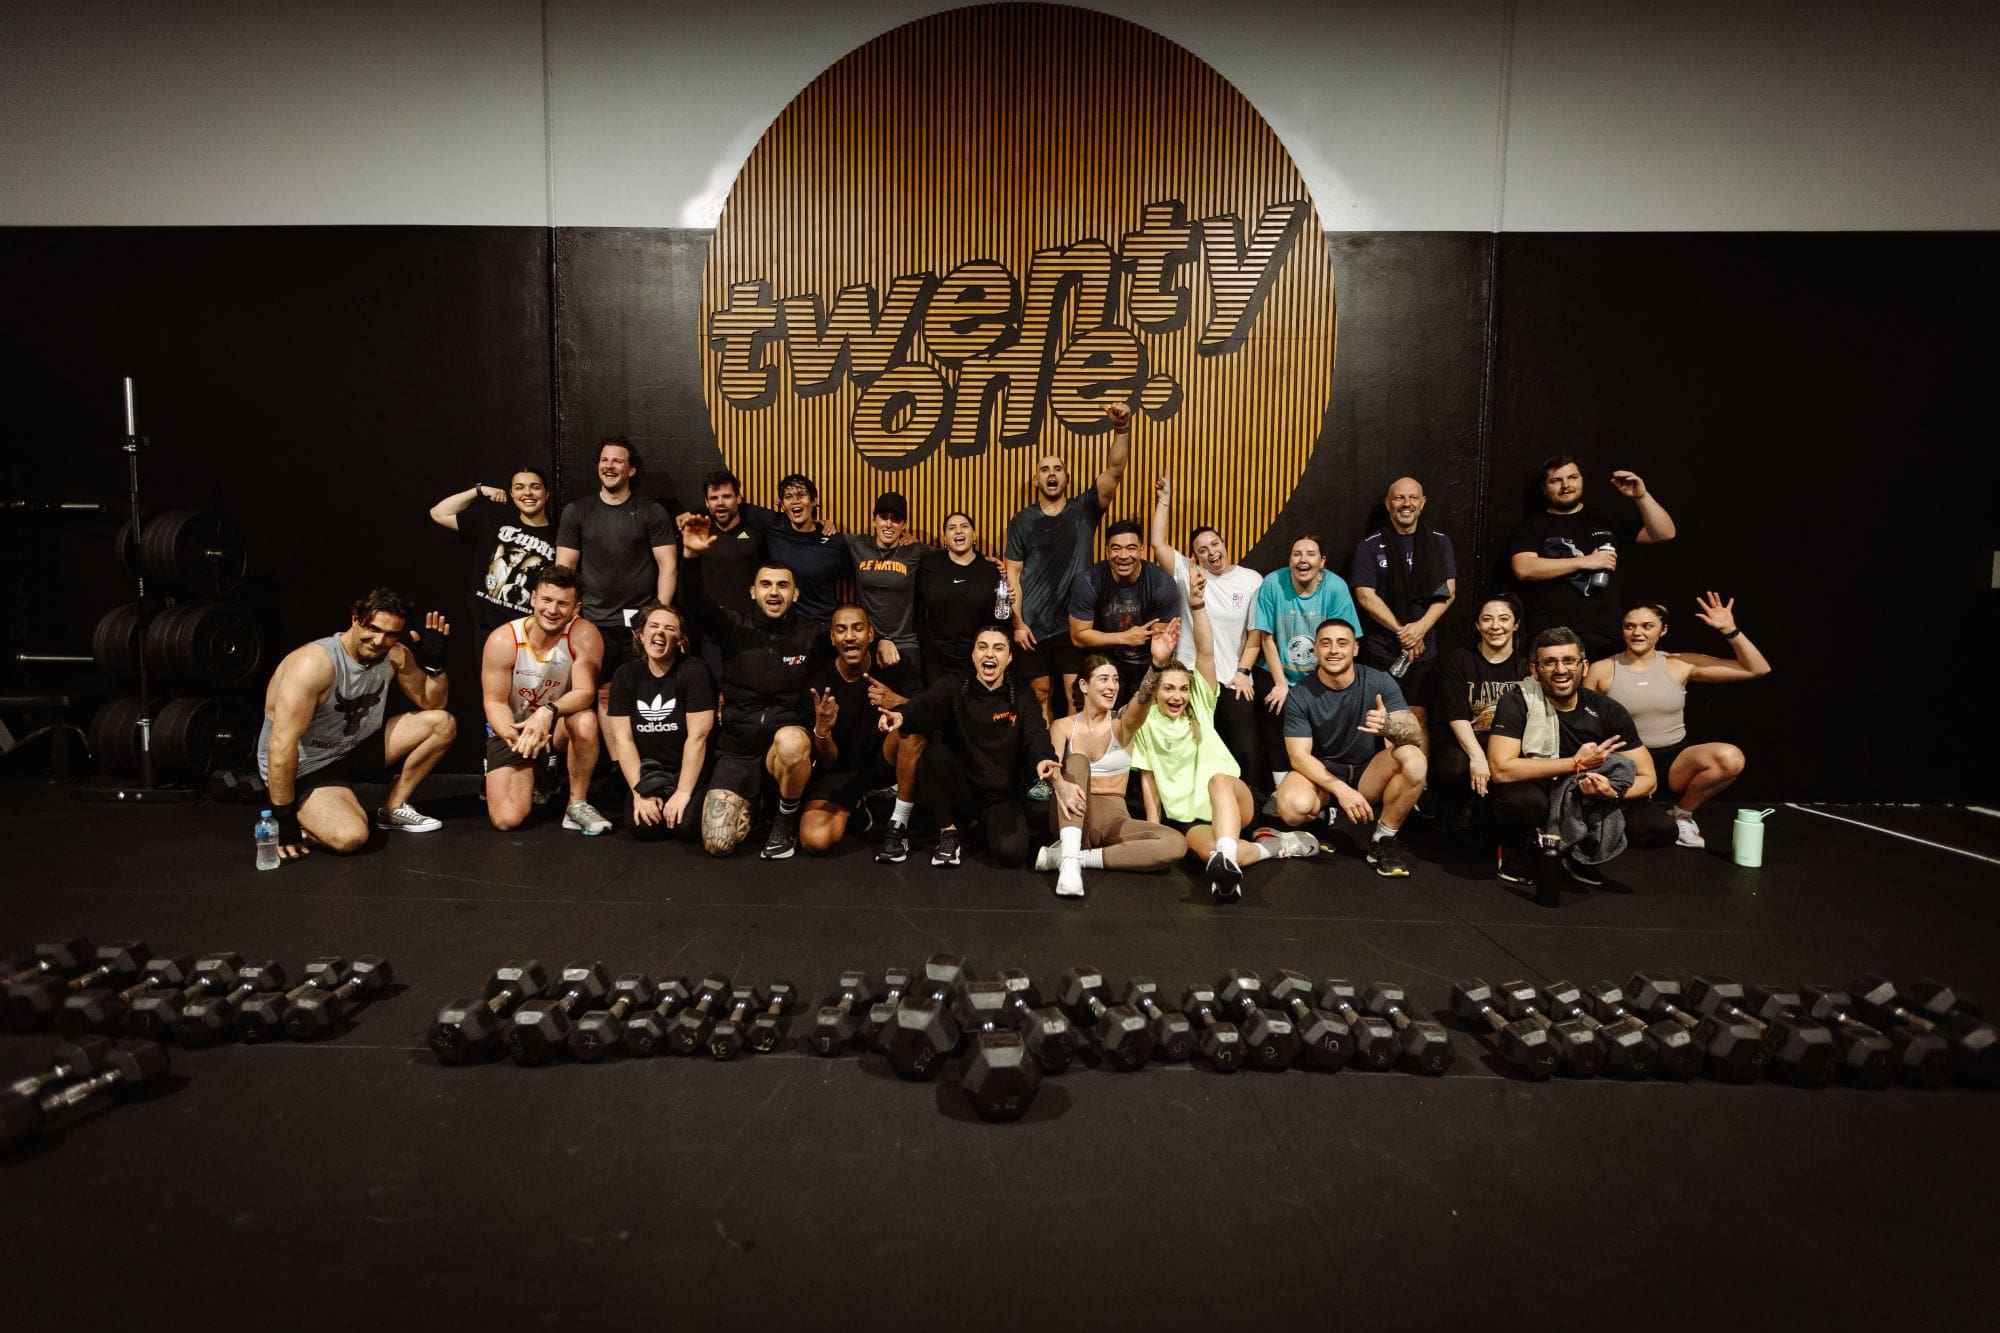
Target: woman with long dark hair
(1470, 681)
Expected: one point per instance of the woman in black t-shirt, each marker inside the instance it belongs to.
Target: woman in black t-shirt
(662, 708)
(1470, 682)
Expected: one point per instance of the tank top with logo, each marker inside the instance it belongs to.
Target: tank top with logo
(350, 713)
(538, 680)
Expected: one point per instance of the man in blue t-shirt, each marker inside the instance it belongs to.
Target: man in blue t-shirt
(1336, 721)
(1291, 603)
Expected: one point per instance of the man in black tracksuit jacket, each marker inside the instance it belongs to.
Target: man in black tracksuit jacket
(992, 735)
(769, 650)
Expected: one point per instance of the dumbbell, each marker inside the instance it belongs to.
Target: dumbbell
(601, 1031)
(1221, 1040)
(1327, 1040)
(208, 1019)
(540, 1027)
(767, 1029)
(1801, 1050)
(1731, 1049)
(261, 1017)
(1937, 999)
(1269, 1038)
(840, 1017)
(71, 1060)
(942, 975)
(1915, 1056)
(689, 1030)
(1673, 1048)
(1523, 1044)
(998, 1074)
(1051, 1038)
(1119, 1030)
(1426, 1046)
(53, 958)
(646, 1033)
(154, 1012)
(101, 1009)
(470, 1029)
(1173, 1034)
(128, 1065)
(1575, 1043)
(1863, 1057)
(33, 1004)
(1627, 1049)
(920, 1033)
(895, 984)
(314, 1013)
(1374, 1039)
(1975, 1045)
(727, 1037)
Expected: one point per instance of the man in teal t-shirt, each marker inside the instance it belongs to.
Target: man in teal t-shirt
(1291, 603)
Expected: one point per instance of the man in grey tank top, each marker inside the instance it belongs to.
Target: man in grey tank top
(323, 726)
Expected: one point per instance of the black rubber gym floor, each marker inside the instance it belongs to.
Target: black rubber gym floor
(357, 1182)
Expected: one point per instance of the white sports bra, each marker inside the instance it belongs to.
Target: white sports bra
(1115, 762)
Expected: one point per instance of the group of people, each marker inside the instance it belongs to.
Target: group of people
(715, 653)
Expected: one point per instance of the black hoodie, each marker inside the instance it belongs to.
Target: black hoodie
(998, 734)
(765, 662)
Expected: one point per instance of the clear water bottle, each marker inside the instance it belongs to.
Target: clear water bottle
(1400, 665)
(1000, 599)
(267, 841)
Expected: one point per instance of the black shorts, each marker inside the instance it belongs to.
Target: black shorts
(1053, 657)
(617, 636)
(846, 786)
(367, 762)
(1348, 773)
(1663, 765)
(740, 751)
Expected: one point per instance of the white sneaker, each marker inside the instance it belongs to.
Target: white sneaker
(583, 817)
(406, 818)
(1687, 832)
(1049, 857)
(1069, 878)
(1287, 844)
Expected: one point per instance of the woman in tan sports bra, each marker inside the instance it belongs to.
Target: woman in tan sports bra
(1094, 744)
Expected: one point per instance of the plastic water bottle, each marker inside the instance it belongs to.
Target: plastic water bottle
(1400, 665)
(1600, 579)
(1000, 599)
(267, 841)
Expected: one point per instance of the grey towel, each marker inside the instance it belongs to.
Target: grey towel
(1592, 830)
(1541, 736)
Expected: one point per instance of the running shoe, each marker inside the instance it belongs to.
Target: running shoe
(782, 842)
(1515, 870)
(1069, 878)
(583, 817)
(947, 853)
(1581, 873)
(406, 818)
(1687, 833)
(1049, 857)
(1386, 855)
(1225, 879)
(1286, 844)
(895, 845)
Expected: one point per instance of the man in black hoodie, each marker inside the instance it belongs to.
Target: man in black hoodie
(769, 651)
(993, 733)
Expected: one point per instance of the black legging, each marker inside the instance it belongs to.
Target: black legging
(946, 791)
(1522, 808)
(1236, 723)
(1450, 785)
(1270, 728)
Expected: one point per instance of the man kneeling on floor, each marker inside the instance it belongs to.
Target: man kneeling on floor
(323, 726)
(1549, 729)
(852, 759)
(538, 682)
(1336, 721)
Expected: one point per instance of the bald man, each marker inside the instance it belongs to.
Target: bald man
(1404, 578)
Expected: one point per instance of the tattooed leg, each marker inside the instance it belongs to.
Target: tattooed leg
(725, 822)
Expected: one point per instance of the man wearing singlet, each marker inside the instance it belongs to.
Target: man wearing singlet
(324, 730)
(538, 682)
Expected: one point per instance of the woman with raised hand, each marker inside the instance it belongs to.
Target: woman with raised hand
(1652, 686)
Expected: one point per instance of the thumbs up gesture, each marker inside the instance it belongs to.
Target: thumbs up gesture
(1377, 720)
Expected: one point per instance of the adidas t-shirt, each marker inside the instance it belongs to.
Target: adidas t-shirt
(659, 706)
(1180, 766)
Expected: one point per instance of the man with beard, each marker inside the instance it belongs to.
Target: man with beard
(538, 682)
(731, 562)
(513, 546)
(1566, 558)
(1404, 579)
(852, 760)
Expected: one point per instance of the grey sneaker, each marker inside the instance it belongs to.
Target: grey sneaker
(1049, 857)
(1287, 844)
(583, 816)
(406, 818)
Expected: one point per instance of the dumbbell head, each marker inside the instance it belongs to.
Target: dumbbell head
(646, 1031)
(895, 982)
(137, 1063)
(1732, 1048)
(121, 960)
(1050, 1037)
(261, 1017)
(518, 980)
(1021, 988)
(1575, 1044)
(1374, 1038)
(840, 1017)
(154, 1012)
(1709, 994)
(582, 985)
(688, 1032)
(1802, 1049)
(767, 1029)
(600, 1032)
(471, 1029)
(1627, 1049)
(919, 1037)
(1119, 1030)
(1934, 998)
(1426, 1046)
(728, 1035)
(982, 1006)
(1868, 1058)
(943, 974)
(1000, 1077)
(315, 1013)
(1221, 1041)
(1173, 1035)
(208, 1019)
(101, 1009)
(1326, 1039)
(1674, 1052)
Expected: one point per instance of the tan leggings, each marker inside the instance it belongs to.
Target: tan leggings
(1127, 843)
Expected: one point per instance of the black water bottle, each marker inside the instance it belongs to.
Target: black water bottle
(1600, 579)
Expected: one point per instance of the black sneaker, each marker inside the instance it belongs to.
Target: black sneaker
(1515, 870)
(1581, 873)
(1386, 855)
(1225, 879)
(947, 848)
(784, 840)
(895, 845)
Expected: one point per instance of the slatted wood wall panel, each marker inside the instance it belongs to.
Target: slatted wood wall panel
(990, 133)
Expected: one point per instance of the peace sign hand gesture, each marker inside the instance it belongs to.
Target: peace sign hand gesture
(826, 711)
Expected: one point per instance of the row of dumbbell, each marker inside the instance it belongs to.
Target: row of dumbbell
(82, 1078)
(197, 1001)
(1867, 1035)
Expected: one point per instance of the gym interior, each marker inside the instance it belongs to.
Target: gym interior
(353, 258)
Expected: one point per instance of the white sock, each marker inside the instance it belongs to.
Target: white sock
(1070, 840)
(1277, 778)
(903, 811)
(1092, 859)
(1683, 814)
(1226, 849)
(1382, 829)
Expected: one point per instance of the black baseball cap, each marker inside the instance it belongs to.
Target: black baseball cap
(891, 504)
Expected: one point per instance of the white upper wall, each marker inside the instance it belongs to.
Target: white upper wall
(1461, 115)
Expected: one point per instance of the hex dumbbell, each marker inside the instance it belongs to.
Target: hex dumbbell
(1863, 1057)
(1674, 1051)
(1801, 1050)
(53, 958)
(1915, 1056)
(33, 1004)
(539, 1030)
(689, 1030)
(767, 1030)
(919, 1035)
(1120, 1031)
(837, 1021)
(470, 1029)
(1269, 1038)
(128, 1066)
(315, 1013)
(646, 1033)
(72, 1060)
(261, 1017)
(601, 1031)
(1975, 1045)
(154, 1012)
(1426, 1045)
(208, 1019)
(998, 1075)
(1375, 1043)
(728, 1037)
(1522, 1043)
(1221, 1041)
(101, 1009)
(1325, 1038)
(1575, 1043)
(1173, 1034)
(1627, 1049)
(1731, 1049)
(895, 985)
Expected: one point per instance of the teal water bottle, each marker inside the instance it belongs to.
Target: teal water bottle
(1746, 844)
